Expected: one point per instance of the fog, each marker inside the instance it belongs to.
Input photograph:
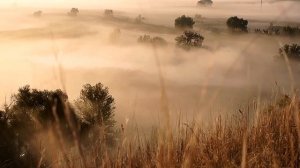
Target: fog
(230, 71)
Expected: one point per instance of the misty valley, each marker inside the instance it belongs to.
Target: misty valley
(187, 84)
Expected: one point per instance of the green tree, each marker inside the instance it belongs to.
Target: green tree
(184, 22)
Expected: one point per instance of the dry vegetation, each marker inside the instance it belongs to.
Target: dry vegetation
(267, 138)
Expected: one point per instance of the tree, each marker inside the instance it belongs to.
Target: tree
(139, 19)
(156, 41)
(96, 106)
(109, 13)
(189, 39)
(237, 24)
(291, 51)
(291, 31)
(73, 12)
(205, 2)
(184, 22)
(38, 13)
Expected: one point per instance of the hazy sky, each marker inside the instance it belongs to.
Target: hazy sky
(90, 3)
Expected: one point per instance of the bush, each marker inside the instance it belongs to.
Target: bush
(73, 12)
(189, 39)
(184, 22)
(205, 2)
(157, 41)
(237, 24)
(291, 51)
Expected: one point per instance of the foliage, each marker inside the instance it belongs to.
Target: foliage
(237, 24)
(189, 39)
(184, 22)
(73, 12)
(291, 51)
(205, 2)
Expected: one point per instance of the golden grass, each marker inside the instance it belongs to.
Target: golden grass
(240, 141)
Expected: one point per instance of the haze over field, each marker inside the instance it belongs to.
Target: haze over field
(56, 51)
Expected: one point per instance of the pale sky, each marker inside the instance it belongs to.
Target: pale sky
(87, 3)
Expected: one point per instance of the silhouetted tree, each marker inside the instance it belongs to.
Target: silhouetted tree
(73, 12)
(189, 39)
(96, 106)
(184, 22)
(205, 2)
(236, 23)
(291, 51)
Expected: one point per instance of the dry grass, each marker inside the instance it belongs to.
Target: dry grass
(271, 140)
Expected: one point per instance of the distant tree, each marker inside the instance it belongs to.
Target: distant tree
(291, 51)
(109, 13)
(139, 19)
(73, 12)
(189, 39)
(144, 39)
(291, 31)
(184, 22)
(205, 2)
(238, 24)
(198, 18)
(38, 13)
(157, 41)
(115, 35)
